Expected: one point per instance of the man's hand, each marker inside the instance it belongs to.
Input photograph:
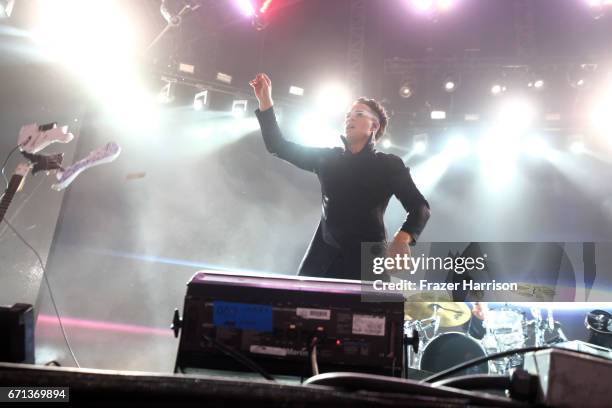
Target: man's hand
(400, 245)
(262, 85)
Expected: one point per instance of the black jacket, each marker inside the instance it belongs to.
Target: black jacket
(356, 189)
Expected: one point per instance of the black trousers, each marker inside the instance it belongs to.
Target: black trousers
(326, 260)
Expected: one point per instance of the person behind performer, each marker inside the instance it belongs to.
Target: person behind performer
(475, 327)
(356, 185)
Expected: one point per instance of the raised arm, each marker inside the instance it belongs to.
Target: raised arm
(306, 158)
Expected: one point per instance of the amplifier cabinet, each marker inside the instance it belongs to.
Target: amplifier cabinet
(274, 320)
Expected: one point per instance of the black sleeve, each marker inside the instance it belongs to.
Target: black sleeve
(476, 328)
(304, 157)
(411, 198)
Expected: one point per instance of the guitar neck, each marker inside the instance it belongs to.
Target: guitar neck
(14, 185)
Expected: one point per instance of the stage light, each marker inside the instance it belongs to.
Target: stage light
(166, 94)
(246, 7)
(386, 143)
(405, 90)
(200, 100)
(423, 5)
(449, 86)
(239, 108)
(471, 117)
(599, 3)
(77, 33)
(265, 6)
(333, 99)
(445, 4)
(536, 84)
(458, 147)
(98, 42)
(576, 143)
(296, 90)
(577, 147)
(225, 78)
(581, 76)
(419, 143)
(438, 115)
(498, 89)
(313, 129)
(6, 8)
(515, 115)
(187, 68)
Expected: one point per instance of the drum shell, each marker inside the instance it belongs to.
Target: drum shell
(449, 349)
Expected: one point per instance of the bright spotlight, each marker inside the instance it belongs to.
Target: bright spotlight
(314, 129)
(449, 86)
(200, 100)
(598, 3)
(296, 90)
(423, 5)
(577, 147)
(6, 8)
(445, 4)
(264, 7)
(333, 98)
(405, 90)
(515, 115)
(239, 108)
(246, 7)
(498, 89)
(458, 147)
(386, 143)
(419, 143)
(438, 115)
(538, 84)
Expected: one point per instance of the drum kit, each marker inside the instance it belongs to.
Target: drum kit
(440, 344)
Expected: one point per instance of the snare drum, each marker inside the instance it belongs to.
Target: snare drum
(449, 349)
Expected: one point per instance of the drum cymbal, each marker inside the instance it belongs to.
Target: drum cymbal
(422, 305)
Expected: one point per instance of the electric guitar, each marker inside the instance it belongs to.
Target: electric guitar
(104, 154)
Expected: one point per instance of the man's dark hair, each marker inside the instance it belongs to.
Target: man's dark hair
(379, 110)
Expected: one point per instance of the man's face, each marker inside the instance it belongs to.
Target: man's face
(360, 122)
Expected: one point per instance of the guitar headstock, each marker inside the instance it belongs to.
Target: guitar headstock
(33, 138)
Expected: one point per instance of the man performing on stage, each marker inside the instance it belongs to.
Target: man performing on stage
(356, 185)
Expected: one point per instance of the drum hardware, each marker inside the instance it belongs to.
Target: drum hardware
(599, 324)
(424, 319)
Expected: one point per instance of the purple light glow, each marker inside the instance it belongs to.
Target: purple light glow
(104, 326)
